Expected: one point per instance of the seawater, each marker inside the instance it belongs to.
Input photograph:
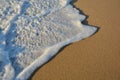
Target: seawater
(33, 31)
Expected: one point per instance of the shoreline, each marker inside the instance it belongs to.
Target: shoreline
(94, 58)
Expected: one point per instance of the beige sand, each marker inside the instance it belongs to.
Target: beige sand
(95, 58)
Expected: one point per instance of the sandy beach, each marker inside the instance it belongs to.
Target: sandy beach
(94, 58)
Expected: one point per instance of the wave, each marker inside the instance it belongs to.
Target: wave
(33, 31)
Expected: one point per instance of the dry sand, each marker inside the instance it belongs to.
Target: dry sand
(95, 58)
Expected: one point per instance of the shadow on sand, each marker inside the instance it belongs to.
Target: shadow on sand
(83, 22)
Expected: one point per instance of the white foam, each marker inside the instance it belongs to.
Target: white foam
(50, 52)
(34, 31)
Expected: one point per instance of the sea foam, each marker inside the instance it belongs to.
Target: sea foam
(33, 31)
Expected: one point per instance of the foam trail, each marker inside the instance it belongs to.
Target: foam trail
(34, 32)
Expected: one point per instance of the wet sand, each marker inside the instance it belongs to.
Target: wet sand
(95, 58)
